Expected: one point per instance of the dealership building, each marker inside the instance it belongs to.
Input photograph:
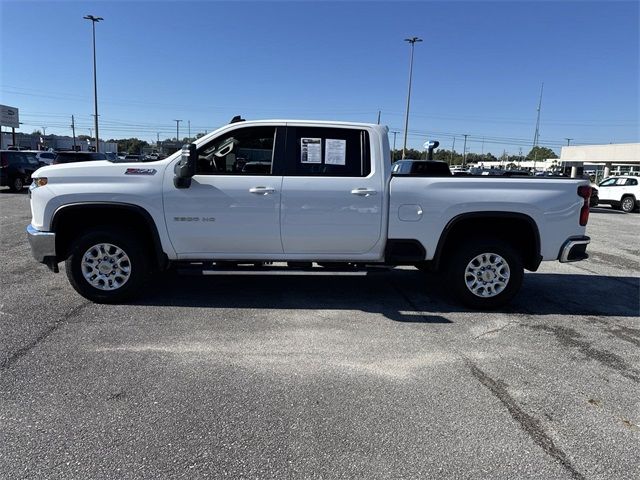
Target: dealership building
(605, 160)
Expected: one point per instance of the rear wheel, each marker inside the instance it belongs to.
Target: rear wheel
(17, 184)
(484, 274)
(628, 204)
(106, 266)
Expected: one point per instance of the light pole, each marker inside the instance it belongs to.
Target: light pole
(412, 41)
(95, 82)
(177, 130)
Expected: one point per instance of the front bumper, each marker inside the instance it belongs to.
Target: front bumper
(574, 249)
(43, 244)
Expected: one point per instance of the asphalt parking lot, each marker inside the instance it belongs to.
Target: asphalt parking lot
(322, 377)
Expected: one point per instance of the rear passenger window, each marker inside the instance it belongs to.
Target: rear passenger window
(632, 182)
(328, 152)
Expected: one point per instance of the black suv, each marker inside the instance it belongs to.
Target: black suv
(68, 157)
(421, 168)
(16, 168)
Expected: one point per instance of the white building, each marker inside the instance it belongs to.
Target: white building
(617, 157)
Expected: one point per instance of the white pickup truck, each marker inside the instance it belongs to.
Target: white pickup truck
(257, 192)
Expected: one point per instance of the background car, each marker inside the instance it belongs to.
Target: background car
(69, 157)
(45, 158)
(16, 168)
(622, 192)
(423, 168)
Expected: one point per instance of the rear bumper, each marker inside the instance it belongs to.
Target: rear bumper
(43, 244)
(574, 249)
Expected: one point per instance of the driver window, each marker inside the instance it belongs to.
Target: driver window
(244, 151)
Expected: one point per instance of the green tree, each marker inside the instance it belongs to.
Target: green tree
(36, 132)
(130, 145)
(541, 153)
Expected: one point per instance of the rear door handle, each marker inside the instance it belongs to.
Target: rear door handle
(262, 190)
(363, 192)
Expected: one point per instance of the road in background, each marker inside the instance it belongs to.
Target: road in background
(330, 377)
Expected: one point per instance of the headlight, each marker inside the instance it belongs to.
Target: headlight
(40, 182)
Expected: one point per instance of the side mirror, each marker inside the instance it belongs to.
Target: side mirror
(186, 166)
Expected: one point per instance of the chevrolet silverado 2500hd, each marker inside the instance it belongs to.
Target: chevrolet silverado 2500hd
(299, 192)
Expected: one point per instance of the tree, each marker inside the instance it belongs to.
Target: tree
(409, 153)
(36, 132)
(130, 145)
(541, 153)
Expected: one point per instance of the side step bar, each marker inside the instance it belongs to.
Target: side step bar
(210, 268)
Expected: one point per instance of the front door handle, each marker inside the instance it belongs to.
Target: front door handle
(262, 190)
(363, 192)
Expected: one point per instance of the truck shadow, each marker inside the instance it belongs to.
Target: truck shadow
(400, 295)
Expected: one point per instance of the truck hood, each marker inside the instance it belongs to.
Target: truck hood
(99, 171)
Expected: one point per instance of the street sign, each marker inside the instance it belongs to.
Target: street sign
(9, 117)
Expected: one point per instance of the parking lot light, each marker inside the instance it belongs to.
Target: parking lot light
(95, 82)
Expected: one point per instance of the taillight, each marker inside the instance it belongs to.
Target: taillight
(584, 191)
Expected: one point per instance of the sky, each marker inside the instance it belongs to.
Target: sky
(478, 71)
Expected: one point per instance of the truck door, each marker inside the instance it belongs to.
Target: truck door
(233, 204)
(332, 198)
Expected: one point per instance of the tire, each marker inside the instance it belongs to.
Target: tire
(628, 204)
(17, 184)
(495, 257)
(113, 280)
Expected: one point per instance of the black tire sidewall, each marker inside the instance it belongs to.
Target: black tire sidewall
(13, 186)
(121, 239)
(461, 257)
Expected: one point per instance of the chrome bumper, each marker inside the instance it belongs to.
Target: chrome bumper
(43, 244)
(574, 249)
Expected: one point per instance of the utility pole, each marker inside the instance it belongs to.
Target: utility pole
(189, 128)
(412, 41)
(453, 148)
(379, 112)
(94, 20)
(73, 129)
(44, 131)
(177, 130)
(464, 151)
(568, 141)
(482, 146)
(394, 144)
(536, 135)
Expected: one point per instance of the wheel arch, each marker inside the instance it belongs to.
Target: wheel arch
(526, 239)
(70, 220)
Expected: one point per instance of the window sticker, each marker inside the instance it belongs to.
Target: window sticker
(335, 152)
(311, 150)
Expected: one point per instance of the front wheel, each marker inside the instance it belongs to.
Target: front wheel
(628, 204)
(106, 266)
(17, 184)
(485, 274)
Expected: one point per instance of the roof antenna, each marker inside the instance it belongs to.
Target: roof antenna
(236, 119)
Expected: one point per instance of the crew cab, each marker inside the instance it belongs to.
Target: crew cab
(621, 192)
(255, 192)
